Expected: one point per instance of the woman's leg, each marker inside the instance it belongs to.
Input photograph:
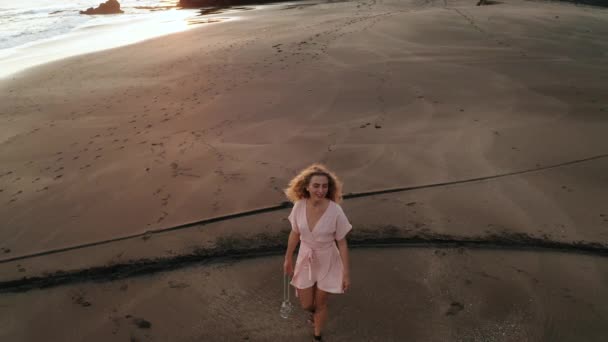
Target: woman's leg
(307, 298)
(321, 298)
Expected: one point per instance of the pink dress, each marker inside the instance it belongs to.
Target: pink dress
(319, 259)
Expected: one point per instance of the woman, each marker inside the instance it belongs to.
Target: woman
(320, 225)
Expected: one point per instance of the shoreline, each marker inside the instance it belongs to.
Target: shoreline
(159, 24)
(19, 59)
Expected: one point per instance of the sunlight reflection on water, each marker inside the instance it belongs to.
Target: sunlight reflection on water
(102, 33)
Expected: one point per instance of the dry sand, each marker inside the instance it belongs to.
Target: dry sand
(216, 120)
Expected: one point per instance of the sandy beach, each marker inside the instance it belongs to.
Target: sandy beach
(489, 122)
(437, 295)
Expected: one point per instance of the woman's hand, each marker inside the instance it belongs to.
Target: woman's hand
(288, 266)
(345, 282)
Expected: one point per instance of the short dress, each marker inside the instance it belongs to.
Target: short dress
(319, 258)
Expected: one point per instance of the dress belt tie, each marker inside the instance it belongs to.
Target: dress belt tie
(308, 258)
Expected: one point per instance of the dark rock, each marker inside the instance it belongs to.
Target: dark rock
(108, 7)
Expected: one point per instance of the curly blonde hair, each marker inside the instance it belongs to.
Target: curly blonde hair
(296, 189)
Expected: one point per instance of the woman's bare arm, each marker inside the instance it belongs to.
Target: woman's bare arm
(343, 248)
(292, 243)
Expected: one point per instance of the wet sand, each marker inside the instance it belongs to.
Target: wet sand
(491, 120)
(397, 294)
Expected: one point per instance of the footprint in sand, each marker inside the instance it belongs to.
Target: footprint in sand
(440, 253)
(486, 275)
(164, 201)
(6, 174)
(566, 188)
(79, 299)
(176, 285)
(142, 323)
(455, 308)
(164, 215)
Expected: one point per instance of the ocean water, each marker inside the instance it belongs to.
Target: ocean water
(38, 31)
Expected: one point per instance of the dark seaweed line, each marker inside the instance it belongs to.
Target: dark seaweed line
(285, 205)
(507, 242)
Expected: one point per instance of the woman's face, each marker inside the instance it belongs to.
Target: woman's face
(317, 187)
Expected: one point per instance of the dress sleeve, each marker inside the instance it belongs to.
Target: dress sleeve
(342, 225)
(292, 218)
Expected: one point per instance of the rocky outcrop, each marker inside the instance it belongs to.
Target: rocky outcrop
(108, 7)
